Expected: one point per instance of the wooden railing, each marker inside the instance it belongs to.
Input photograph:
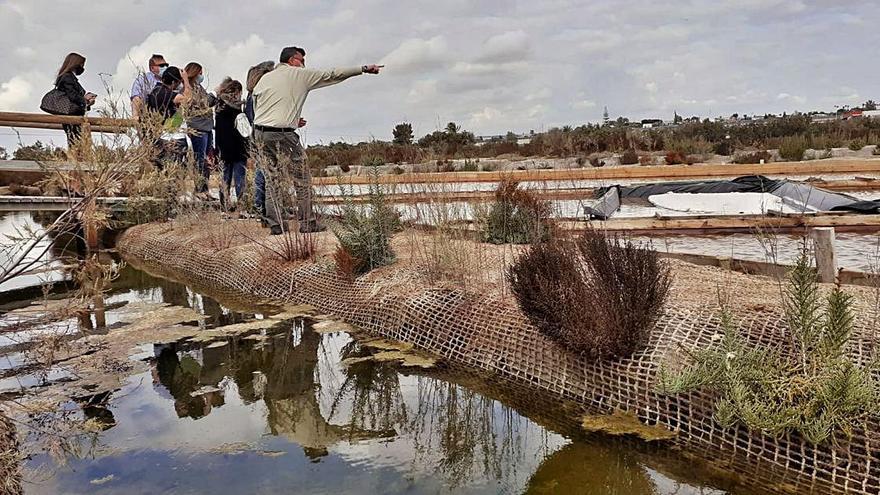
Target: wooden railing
(55, 122)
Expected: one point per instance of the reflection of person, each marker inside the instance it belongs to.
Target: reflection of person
(67, 81)
(278, 102)
(181, 376)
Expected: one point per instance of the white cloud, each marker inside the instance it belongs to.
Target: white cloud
(583, 104)
(23, 93)
(505, 47)
(417, 54)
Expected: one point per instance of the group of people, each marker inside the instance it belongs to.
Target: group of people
(231, 129)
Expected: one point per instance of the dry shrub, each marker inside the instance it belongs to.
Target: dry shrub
(347, 266)
(753, 158)
(517, 216)
(597, 296)
(646, 160)
(675, 158)
(629, 157)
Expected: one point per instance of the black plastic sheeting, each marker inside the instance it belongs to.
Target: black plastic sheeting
(795, 193)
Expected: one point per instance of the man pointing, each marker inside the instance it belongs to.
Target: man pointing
(278, 104)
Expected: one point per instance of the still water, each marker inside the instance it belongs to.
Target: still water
(279, 411)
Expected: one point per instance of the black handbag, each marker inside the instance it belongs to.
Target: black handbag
(56, 102)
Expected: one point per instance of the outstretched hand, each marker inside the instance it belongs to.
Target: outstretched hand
(372, 69)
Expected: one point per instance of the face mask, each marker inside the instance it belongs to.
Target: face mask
(162, 71)
(200, 78)
(78, 70)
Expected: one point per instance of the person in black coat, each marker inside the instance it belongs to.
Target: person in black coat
(232, 146)
(74, 65)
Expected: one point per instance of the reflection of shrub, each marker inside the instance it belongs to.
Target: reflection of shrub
(793, 148)
(629, 157)
(364, 233)
(596, 296)
(516, 216)
(755, 157)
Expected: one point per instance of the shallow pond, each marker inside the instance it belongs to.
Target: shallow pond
(279, 411)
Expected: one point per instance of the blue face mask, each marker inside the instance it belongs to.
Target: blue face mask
(200, 78)
(162, 71)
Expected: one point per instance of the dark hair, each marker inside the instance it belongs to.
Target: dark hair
(154, 58)
(289, 51)
(171, 75)
(71, 61)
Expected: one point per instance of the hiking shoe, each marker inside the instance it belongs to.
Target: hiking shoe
(276, 230)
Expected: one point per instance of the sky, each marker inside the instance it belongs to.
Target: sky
(490, 65)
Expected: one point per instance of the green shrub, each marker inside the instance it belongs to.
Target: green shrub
(810, 386)
(597, 296)
(857, 144)
(516, 216)
(793, 148)
(470, 166)
(364, 232)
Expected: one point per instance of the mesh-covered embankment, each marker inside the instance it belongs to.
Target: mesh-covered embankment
(490, 333)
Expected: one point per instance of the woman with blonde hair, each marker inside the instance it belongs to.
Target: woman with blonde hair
(199, 122)
(67, 82)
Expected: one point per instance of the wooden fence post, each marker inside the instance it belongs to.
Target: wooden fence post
(826, 258)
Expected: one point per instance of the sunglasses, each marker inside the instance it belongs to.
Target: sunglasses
(163, 66)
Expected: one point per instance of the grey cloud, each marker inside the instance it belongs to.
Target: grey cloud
(495, 66)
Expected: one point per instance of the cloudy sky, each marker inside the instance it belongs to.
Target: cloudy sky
(490, 65)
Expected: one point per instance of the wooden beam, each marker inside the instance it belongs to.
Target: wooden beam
(668, 172)
(39, 118)
(730, 224)
(57, 127)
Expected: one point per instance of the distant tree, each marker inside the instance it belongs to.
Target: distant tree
(870, 105)
(4, 155)
(510, 137)
(403, 133)
(449, 140)
(37, 152)
(622, 121)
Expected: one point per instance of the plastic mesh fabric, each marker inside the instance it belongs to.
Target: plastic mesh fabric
(490, 333)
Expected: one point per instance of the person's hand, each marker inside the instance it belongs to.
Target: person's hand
(301, 123)
(90, 98)
(371, 69)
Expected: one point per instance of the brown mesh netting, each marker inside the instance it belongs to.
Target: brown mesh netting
(487, 331)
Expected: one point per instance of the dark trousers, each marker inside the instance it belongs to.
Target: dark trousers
(284, 161)
(170, 151)
(201, 142)
(260, 192)
(232, 173)
(74, 133)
